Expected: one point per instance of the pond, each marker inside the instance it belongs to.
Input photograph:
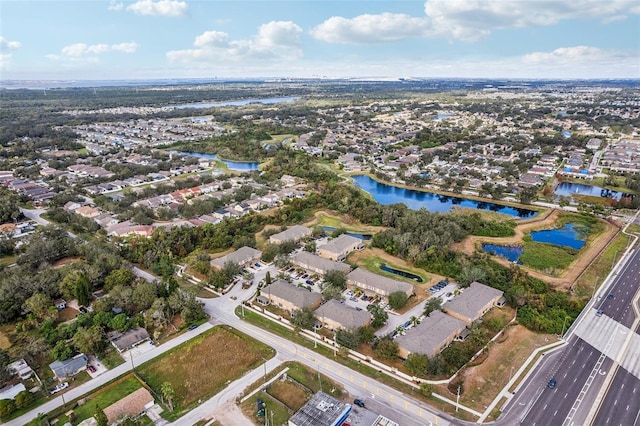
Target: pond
(566, 236)
(390, 194)
(234, 103)
(361, 236)
(405, 274)
(511, 253)
(242, 166)
(568, 189)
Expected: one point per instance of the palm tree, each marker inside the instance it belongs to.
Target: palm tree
(167, 394)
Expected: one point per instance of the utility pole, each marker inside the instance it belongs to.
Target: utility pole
(315, 337)
(319, 381)
(133, 367)
(458, 399)
(335, 343)
(595, 285)
(563, 324)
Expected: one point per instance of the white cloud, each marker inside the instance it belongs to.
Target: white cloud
(115, 6)
(468, 20)
(276, 40)
(172, 8)
(572, 55)
(473, 19)
(6, 46)
(386, 27)
(80, 50)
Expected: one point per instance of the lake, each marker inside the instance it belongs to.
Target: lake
(241, 166)
(234, 103)
(389, 194)
(568, 189)
(511, 253)
(566, 236)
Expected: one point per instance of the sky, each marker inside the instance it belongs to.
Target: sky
(157, 39)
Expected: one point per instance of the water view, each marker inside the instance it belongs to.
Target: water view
(405, 274)
(511, 253)
(568, 189)
(566, 236)
(389, 194)
(330, 229)
(235, 103)
(241, 166)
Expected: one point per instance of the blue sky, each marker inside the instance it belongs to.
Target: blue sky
(141, 39)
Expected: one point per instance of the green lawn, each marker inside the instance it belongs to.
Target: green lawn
(547, 258)
(106, 397)
(272, 407)
(111, 359)
(373, 263)
(204, 365)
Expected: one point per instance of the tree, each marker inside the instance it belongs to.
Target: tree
(527, 195)
(336, 278)
(23, 399)
(7, 406)
(330, 291)
(101, 417)
(398, 299)
(5, 374)
(433, 304)
(89, 341)
(144, 294)
(267, 278)
(39, 305)
(367, 334)
(470, 274)
(386, 349)
(417, 364)
(82, 291)
(122, 277)
(61, 351)
(348, 338)
(380, 316)
(303, 318)
(166, 390)
(119, 322)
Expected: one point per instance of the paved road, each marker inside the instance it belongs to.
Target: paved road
(585, 369)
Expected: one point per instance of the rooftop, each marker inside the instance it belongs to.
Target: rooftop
(346, 316)
(387, 285)
(426, 337)
(300, 297)
(317, 262)
(321, 410)
(294, 233)
(472, 300)
(341, 244)
(240, 256)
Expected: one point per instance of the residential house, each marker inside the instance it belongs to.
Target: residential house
(473, 302)
(338, 248)
(131, 405)
(318, 265)
(334, 315)
(289, 297)
(432, 335)
(60, 304)
(129, 339)
(69, 367)
(372, 283)
(295, 233)
(244, 257)
(21, 369)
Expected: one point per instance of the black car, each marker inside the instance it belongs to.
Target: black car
(193, 326)
(552, 383)
(359, 403)
(610, 296)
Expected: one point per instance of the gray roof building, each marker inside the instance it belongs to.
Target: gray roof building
(317, 264)
(128, 339)
(69, 367)
(339, 248)
(290, 297)
(473, 302)
(294, 233)
(321, 410)
(242, 257)
(430, 336)
(336, 315)
(378, 284)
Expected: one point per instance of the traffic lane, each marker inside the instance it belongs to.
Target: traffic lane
(617, 303)
(621, 406)
(571, 372)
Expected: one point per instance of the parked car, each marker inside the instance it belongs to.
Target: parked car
(359, 402)
(59, 387)
(91, 369)
(193, 326)
(599, 313)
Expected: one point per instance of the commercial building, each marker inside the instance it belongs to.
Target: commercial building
(321, 410)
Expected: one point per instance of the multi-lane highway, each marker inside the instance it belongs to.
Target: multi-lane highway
(597, 371)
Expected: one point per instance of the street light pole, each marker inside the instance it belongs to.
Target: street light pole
(335, 343)
(563, 325)
(265, 371)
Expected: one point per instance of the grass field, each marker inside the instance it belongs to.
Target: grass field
(272, 406)
(373, 263)
(204, 365)
(5, 342)
(595, 274)
(547, 258)
(292, 395)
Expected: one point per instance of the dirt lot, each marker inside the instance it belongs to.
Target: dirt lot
(203, 366)
(569, 277)
(290, 394)
(483, 382)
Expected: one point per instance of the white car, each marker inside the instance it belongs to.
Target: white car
(60, 387)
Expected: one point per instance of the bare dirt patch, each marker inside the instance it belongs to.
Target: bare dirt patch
(66, 261)
(5, 342)
(67, 314)
(483, 382)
